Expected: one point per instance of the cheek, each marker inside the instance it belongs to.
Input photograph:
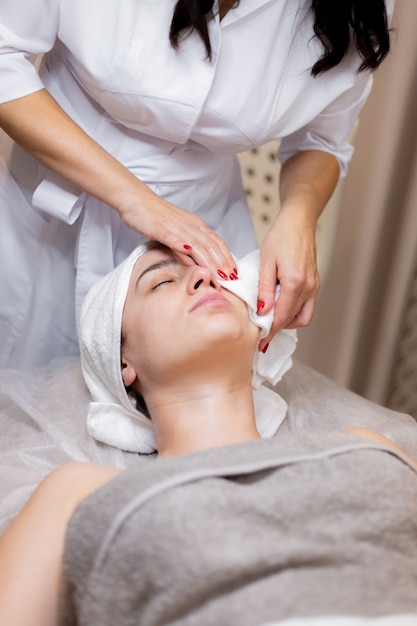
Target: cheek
(133, 331)
(147, 331)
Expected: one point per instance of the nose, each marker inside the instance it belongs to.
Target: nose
(201, 277)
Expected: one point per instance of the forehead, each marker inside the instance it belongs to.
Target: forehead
(157, 252)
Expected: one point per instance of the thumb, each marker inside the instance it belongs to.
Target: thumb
(266, 287)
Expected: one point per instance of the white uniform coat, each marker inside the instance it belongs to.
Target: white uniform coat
(175, 118)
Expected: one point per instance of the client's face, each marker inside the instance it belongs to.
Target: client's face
(178, 317)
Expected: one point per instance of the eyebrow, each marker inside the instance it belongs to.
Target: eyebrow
(156, 266)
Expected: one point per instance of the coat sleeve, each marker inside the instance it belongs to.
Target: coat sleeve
(27, 28)
(331, 129)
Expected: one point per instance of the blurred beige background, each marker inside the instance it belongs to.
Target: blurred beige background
(364, 333)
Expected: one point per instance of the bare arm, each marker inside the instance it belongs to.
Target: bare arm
(43, 129)
(31, 549)
(288, 252)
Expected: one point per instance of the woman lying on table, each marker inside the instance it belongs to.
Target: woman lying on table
(225, 527)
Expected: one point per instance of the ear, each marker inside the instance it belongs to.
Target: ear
(129, 375)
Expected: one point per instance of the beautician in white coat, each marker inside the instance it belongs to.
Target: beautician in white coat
(130, 131)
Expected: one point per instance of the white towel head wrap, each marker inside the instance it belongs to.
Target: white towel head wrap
(113, 417)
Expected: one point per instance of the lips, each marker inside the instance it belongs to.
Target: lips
(210, 299)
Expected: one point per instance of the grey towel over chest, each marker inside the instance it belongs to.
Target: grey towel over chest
(303, 526)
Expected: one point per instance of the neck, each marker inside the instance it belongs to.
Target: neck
(206, 417)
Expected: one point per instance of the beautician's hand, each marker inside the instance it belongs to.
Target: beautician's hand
(181, 231)
(288, 255)
(44, 129)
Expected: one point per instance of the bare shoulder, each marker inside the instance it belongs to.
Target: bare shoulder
(61, 491)
(77, 480)
(369, 433)
(377, 437)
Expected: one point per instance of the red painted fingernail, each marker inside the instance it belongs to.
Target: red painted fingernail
(222, 274)
(187, 247)
(233, 276)
(235, 271)
(261, 305)
(265, 348)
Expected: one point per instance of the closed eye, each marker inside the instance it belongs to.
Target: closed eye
(162, 282)
(162, 264)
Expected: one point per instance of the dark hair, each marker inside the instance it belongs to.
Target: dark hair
(191, 14)
(338, 24)
(137, 398)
